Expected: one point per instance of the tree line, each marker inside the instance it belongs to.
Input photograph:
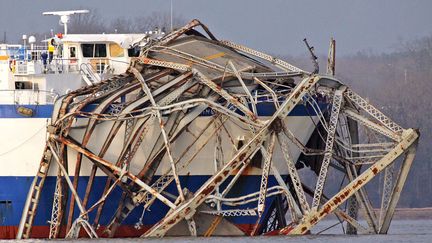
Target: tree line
(399, 83)
(94, 23)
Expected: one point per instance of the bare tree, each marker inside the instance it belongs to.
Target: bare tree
(160, 20)
(90, 23)
(121, 25)
(94, 23)
(400, 83)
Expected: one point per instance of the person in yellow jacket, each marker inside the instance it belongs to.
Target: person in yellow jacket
(51, 49)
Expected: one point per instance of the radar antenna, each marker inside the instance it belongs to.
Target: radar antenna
(65, 16)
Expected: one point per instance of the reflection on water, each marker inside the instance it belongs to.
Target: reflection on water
(398, 227)
(400, 231)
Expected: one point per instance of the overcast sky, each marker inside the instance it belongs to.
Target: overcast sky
(275, 26)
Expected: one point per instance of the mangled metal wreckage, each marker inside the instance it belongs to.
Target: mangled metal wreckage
(205, 137)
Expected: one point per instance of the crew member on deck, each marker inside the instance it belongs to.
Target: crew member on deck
(44, 57)
(51, 50)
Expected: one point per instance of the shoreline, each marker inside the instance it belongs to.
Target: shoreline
(402, 214)
(413, 213)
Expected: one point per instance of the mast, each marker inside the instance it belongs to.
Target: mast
(65, 16)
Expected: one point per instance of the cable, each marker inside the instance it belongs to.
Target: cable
(19, 145)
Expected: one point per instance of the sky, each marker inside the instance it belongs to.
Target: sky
(273, 26)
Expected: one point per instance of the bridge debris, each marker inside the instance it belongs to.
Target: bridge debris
(205, 137)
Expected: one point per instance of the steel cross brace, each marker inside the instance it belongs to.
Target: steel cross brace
(334, 118)
(387, 190)
(397, 189)
(185, 210)
(162, 130)
(265, 174)
(372, 125)
(94, 158)
(216, 88)
(374, 112)
(189, 206)
(160, 184)
(280, 63)
(293, 174)
(409, 137)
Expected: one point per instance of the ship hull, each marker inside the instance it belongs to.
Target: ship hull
(24, 141)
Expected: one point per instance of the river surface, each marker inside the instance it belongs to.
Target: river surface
(400, 231)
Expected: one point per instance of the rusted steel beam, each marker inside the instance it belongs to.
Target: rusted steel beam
(188, 208)
(163, 132)
(132, 106)
(216, 88)
(175, 34)
(330, 140)
(32, 202)
(278, 62)
(397, 189)
(331, 58)
(409, 137)
(264, 181)
(89, 130)
(112, 167)
(374, 112)
(193, 97)
(363, 199)
(294, 176)
(165, 179)
(151, 165)
(113, 131)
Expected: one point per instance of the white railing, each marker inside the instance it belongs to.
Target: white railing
(88, 74)
(61, 65)
(27, 97)
(28, 67)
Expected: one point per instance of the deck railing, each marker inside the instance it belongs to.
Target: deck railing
(27, 97)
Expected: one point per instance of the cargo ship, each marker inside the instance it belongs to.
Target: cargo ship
(154, 134)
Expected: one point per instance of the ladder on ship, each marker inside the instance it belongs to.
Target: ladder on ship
(88, 74)
(32, 201)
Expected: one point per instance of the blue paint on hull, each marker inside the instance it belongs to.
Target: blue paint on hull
(45, 111)
(13, 193)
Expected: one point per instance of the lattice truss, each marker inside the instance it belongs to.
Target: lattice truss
(200, 134)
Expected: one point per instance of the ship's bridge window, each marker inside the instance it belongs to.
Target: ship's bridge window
(87, 50)
(134, 51)
(72, 52)
(23, 85)
(116, 50)
(100, 50)
(94, 50)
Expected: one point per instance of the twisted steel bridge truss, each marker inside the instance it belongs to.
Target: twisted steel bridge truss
(192, 104)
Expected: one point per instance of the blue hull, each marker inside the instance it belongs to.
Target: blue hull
(13, 193)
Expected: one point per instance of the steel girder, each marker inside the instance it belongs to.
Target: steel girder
(147, 130)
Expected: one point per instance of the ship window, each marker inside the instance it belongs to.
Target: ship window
(100, 50)
(134, 52)
(94, 50)
(87, 50)
(116, 50)
(72, 51)
(23, 85)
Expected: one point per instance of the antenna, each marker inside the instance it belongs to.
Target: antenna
(331, 60)
(65, 16)
(313, 57)
(171, 15)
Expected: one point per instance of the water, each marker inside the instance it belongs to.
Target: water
(400, 231)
